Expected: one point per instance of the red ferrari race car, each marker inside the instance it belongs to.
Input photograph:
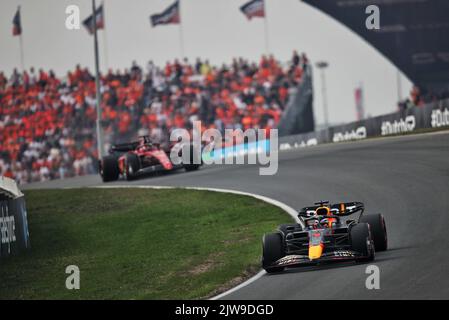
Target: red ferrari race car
(133, 159)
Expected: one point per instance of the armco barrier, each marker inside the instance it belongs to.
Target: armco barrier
(13, 219)
(433, 115)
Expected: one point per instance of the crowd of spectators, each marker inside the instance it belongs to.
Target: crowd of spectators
(419, 97)
(47, 124)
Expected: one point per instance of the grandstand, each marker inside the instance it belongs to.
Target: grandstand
(47, 124)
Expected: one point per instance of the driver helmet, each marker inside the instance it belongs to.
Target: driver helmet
(143, 140)
(312, 223)
(322, 211)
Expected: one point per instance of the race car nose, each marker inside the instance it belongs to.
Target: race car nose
(315, 252)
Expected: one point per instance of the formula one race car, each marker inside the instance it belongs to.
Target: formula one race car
(322, 236)
(136, 158)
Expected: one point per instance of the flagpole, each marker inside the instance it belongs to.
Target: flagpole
(181, 41)
(19, 13)
(181, 35)
(398, 84)
(267, 43)
(97, 86)
(105, 40)
(21, 52)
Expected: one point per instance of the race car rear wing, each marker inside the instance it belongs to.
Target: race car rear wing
(123, 147)
(337, 209)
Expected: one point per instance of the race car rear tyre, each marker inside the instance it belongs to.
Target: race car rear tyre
(109, 169)
(361, 241)
(273, 250)
(132, 165)
(191, 166)
(378, 230)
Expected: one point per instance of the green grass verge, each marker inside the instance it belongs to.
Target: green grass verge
(138, 243)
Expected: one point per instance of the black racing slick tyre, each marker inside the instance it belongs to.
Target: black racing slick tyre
(109, 170)
(273, 250)
(288, 228)
(378, 230)
(132, 166)
(361, 241)
(191, 166)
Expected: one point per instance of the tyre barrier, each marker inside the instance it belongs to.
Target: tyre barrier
(14, 235)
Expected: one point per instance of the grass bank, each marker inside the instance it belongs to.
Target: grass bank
(138, 243)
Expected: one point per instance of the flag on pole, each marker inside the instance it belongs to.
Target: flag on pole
(254, 8)
(99, 20)
(17, 24)
(168, 16)
(359, 105)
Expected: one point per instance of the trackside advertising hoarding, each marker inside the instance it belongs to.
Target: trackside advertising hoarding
(435, 115)
(14, 235)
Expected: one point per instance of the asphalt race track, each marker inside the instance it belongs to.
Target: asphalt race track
(405, 178)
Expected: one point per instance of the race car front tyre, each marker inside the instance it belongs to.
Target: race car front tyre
(378, 230)
(273, 250)
(288, 228)
(362, 242)
(109, 169)
(132, 165)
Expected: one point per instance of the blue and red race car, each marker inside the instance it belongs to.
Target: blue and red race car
(322, 236)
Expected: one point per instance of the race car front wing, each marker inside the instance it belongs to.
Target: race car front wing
(156, 168)
(336, 255)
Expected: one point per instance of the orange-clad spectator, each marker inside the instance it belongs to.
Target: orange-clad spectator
(247, 121)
